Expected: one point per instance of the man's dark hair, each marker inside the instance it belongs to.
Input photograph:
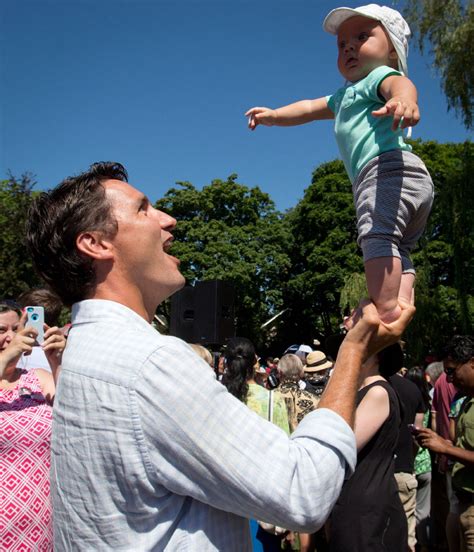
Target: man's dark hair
(45, 298)
(460, 348)
(55, 219)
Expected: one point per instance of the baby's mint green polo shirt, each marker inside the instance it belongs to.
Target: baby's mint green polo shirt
(361, 136)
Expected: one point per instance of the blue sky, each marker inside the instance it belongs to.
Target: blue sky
(162, 88)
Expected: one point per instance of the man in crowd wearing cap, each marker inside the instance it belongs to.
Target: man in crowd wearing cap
(303, 351)
(392, 189)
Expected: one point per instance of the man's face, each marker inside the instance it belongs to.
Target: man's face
(362, 45)
(142, 242)
(460, 374)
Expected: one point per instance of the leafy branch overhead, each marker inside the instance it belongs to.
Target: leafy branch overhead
(446, 27)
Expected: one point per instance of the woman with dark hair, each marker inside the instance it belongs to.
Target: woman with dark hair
(25, 434)
(369, 516)
(422, 466)
(241, 364)
(240, 359)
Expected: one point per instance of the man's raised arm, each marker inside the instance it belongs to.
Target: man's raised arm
(366, 338)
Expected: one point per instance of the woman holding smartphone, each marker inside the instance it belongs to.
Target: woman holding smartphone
(25, 431)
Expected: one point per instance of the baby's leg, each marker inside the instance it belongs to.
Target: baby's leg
(384, 278)
(407, 288)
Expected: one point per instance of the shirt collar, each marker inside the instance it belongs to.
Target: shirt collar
(98, 310)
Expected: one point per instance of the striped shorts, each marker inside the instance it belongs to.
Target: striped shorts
(393, 195)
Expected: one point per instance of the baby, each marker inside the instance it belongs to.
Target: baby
(392, 188)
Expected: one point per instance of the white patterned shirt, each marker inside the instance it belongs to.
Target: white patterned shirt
(150, 452)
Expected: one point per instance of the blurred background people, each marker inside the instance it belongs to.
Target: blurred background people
(241, 366)
(298, 400)
(368, 516)
(422, 466)
(443, 395)
(316, 372)
(459, 368)
(303, 351)
(432, 372)
(25, 431)
(52, 306)
(204, 353)
(412, 413)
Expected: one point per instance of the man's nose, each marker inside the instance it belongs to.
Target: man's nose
(167, 222)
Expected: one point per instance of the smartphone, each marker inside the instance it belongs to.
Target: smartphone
(35, 319)
(414, 430)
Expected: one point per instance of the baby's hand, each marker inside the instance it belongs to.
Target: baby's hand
(400, 107)
(261, 116)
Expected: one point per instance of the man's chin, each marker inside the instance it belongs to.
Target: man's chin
(176, 286)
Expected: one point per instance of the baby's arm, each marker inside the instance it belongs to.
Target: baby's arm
(401, 96)
(297, 113)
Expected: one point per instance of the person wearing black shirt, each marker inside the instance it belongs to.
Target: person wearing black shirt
(412, 411)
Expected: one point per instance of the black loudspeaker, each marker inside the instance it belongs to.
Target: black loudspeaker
(204, 313)
(214, 312)
(182, 314)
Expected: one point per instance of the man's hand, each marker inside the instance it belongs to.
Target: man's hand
(431, 440)
(371, 334)
(399, 108)
(261, 116)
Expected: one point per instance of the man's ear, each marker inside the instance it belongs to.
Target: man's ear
(95, 245)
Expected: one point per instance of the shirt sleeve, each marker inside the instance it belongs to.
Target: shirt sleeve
(331, 100)
(375, 78)
(202, 442)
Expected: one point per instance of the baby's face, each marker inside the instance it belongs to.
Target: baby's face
(363, 45)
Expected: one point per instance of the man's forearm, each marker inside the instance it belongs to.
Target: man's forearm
(460, 455)
(340, 393)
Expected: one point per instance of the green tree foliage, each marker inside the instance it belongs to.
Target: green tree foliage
(227, 231)
(327, 271)
(448, 27)
(17, 273)
(445, 258)
(325, 253)
(306, 261)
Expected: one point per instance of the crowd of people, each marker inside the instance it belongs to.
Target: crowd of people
(155, 446)
(116, 437)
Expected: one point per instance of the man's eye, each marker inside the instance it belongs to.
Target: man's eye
(363, 36)
(342, 44)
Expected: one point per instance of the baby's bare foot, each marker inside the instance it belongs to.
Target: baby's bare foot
(391, 315)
